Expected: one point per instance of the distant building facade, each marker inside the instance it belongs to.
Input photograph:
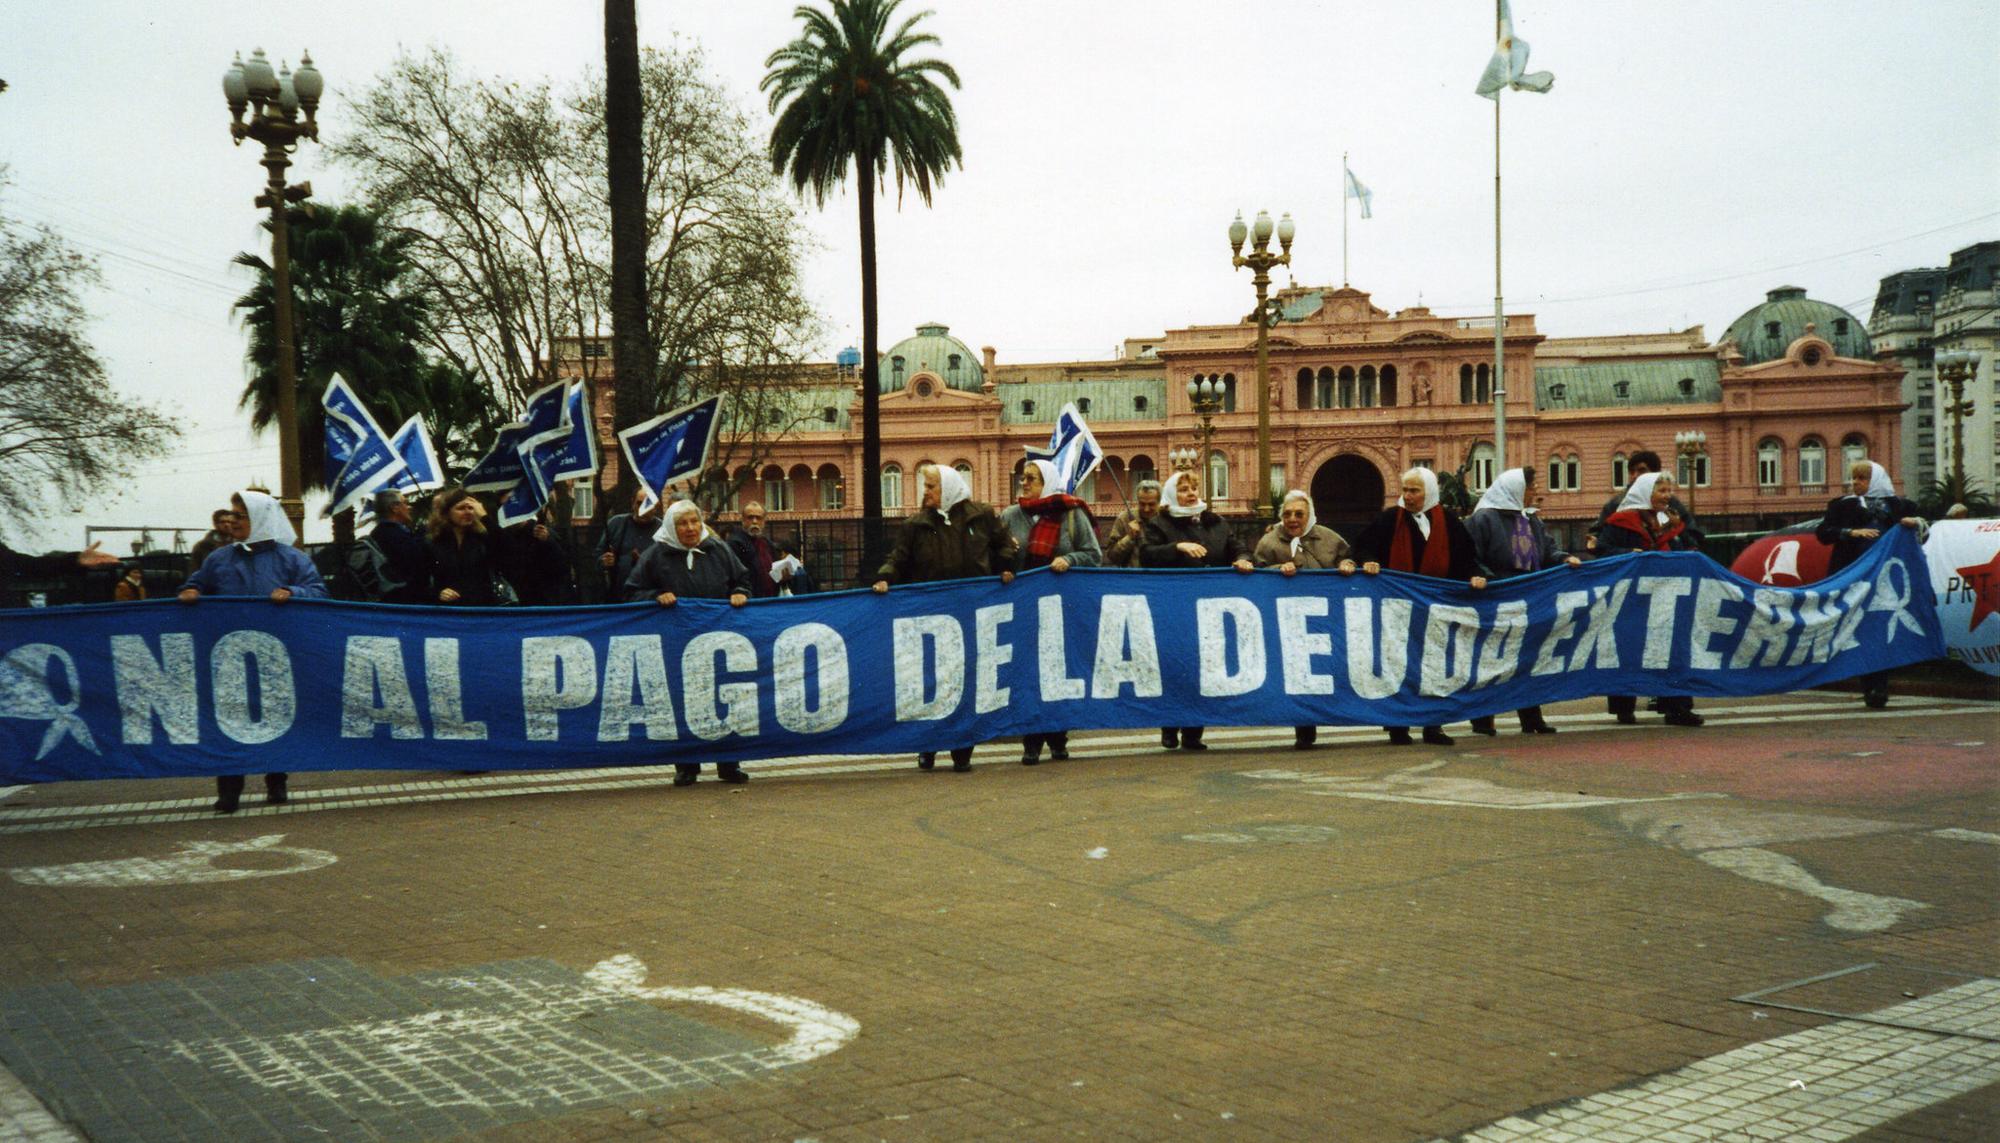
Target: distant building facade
(1358, 394)
(1919, 313)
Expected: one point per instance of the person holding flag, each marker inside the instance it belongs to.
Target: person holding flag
(1051, 529)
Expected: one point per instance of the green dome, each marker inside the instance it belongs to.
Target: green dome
(932, 350)
(1765, 332)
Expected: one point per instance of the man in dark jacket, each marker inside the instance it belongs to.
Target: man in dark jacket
(756, 552)
(949, 536)
(626, 538)
(407, 562)
(221, 533)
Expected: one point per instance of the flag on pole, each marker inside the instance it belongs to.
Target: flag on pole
(359, 456)
(577, 455)
(1072, 449)
(500, 470)
(1360, 194)
(1509, 65)
(672, 446)
(421, 470)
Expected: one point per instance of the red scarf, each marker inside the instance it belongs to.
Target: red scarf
(1437, 550)
(1048, 513)
(1640, 523)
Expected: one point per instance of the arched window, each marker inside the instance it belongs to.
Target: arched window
(1229, 392)
(1083, 404)
(1555, 474)
(1323, 389)
(951, 368)
(1140, 468)
(963, 468)
(1218, 476)
(1482, 384)
(1366, 396)
(896, 370)
(1479, 469)
(1853, 447)
(1027, 408)
(1388, 390)
(892, 486)
(1465, 392)
(1812, 463)
(1139, 403)
(832, 490)
(1573, 472)
(1621, 470)
(1305, 387)
(1770, 463)
(777, 490)
(1347, 386)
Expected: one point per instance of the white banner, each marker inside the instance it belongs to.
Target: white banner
(1965, 573)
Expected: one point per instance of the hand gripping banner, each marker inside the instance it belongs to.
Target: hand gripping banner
(240, 685)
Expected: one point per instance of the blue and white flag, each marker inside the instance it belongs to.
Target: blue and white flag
(1509, 65)
(576, 456)
(501, 469)
(672, 446)
(421, 470)
(1072, 449)
(360, 458)
(1360, 193)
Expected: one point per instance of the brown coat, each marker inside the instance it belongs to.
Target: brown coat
(1322, 548)
(972, 543)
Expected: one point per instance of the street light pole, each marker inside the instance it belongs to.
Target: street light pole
(1691, 444)
(1206, 397)
(274, 101)
(1954, 369)
(1260, 260)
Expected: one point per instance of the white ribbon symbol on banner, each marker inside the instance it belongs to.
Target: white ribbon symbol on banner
(1886, 597)
(25, 693)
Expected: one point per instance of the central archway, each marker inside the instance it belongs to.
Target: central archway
(1347, 492)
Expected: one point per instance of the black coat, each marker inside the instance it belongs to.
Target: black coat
(715, 573)
(466, 567)
(971, 543)
(628, 539)
(1378, 539)
(1851, 512)
(744, 546)
(409, 561)
(1157, 543)
(539, 569)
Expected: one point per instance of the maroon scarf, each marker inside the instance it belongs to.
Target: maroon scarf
(1048, 513)
(1437, 550)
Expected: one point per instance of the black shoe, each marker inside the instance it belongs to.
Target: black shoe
(1538, 728)
(1684, 718)
(926, 760)
(1628, 718)
(1485, 726)
(274, 792)
(961, 765)
(1875, 700)
(226, 804)
(1303, 737)
(1059, 753)
(1399, 736)
(734, 776)
(1437, 737)
(1191, 738)
(1169, 737)
(1030, 759)
(686, 777)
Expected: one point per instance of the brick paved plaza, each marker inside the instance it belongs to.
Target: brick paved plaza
(1513, 938)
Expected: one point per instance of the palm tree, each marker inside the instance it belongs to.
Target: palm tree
(851, 90)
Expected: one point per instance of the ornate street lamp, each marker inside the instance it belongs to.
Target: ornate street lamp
(1691, 444)
(1260, 260)
(1954, 368)
(1206, 397)
(274, 101)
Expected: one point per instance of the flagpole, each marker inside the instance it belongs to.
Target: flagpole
(1343, 219)
(1499, 307)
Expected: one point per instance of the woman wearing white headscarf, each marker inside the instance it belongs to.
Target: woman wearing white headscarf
(1051, 529)
(1854, 522)
(1646, 521)
(261, 562)
(687, 560)
(1299, 540)
(1185, 534)
(1509, 540)
(1417, 535)
(949, 536)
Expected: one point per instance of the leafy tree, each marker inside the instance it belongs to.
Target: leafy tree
(357, 310)
(851, 92)
(1454, 492)
(64, 432)
(1939, 495)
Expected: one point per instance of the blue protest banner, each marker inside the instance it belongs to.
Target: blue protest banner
(240, 685)
(673, 446)
(359, 456)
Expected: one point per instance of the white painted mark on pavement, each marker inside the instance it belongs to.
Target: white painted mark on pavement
(193, 865)
(1967, 835)
(816, 1031)
(1829, 1083)
(1411, 786)
(1853, 911)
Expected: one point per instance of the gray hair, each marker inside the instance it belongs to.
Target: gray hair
(386, 499)
(1145, 486)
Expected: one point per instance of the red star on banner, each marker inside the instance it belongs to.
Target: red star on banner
(1984, 580)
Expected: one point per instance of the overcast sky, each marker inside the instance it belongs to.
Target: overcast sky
(1691, 156)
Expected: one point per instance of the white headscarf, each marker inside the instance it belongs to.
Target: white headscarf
(1421, 516)
(1051, 484)
(1312, 517)
(267, 521)
(1640, 496)
(1880, 487)
(1170, 498)
(1507, 494)
(953, 489)
(666, 535)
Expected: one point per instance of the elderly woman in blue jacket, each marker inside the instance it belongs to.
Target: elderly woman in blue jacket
(262, 562)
